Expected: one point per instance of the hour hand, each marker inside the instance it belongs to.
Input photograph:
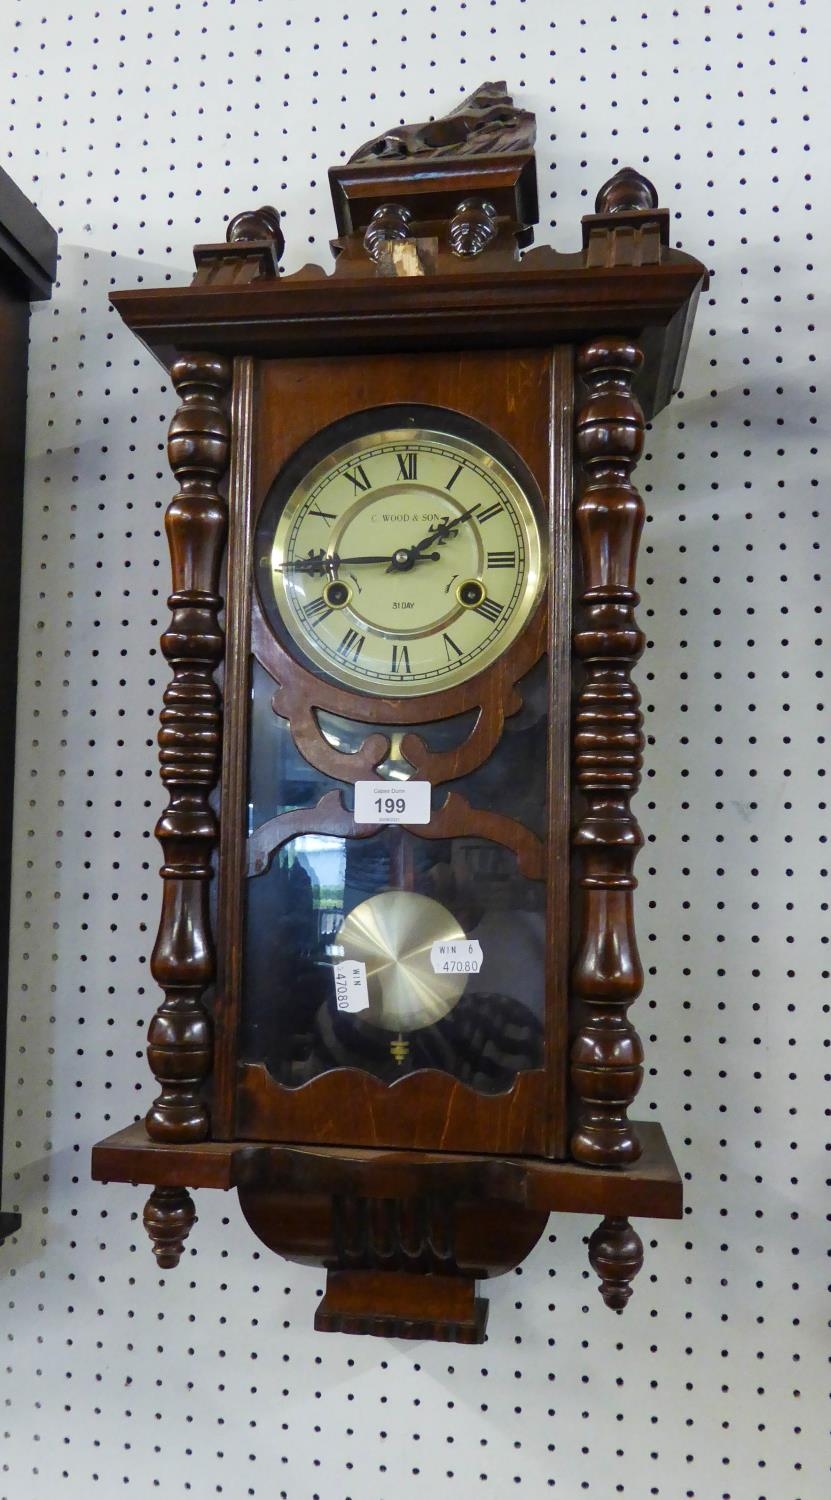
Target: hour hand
(342, 562)
(316, 564)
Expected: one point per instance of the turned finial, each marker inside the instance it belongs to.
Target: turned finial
(473, 227)
(616, 1255)
(257, 224)
(169, 1216)
(627, 191)
(390, 224)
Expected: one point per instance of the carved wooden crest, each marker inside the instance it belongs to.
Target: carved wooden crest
(488, 123)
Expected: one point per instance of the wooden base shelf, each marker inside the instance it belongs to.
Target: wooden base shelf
(403, 1235)
(650, 1189)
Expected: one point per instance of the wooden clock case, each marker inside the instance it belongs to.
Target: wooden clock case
(408, 1194)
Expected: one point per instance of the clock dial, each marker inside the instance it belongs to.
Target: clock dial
(406, 559)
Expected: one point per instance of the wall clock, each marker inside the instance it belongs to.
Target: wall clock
(397, 949)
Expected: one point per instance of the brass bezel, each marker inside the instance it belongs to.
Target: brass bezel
(506, 630)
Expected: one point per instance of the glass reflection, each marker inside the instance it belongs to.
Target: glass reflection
(294, 913)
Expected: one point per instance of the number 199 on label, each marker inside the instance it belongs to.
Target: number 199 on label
(380, 802)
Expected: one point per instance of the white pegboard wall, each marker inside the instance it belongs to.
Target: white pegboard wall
(139, 129)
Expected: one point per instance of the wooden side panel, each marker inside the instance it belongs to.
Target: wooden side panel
(232, 851)
(558, 862)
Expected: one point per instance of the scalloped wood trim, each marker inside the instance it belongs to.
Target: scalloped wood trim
(346, 1104)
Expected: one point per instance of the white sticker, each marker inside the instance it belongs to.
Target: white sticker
(392, 801)
(351, 994)
(461, 956)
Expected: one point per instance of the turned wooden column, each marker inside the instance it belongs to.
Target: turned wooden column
(179, 1038)
(607, 976)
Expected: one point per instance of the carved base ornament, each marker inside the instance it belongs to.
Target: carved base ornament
(401, 734)
(616, 1255)
(169, 1216)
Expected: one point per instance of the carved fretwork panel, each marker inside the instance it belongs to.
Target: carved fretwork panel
(299, 696)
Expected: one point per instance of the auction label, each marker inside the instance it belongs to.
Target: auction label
(392, 801)
(461, 956)
(351, 994)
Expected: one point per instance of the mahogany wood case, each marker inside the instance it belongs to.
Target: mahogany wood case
(407, 1189)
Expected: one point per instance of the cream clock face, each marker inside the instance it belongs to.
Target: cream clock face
(405, 559)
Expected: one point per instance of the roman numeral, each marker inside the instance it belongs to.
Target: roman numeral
(316, 611)
(400, 659)
(358, 478)
(351, 645)
(407, 465)
(488, 515)
(501, 559)
(452, 480)
(489, 609)
(322, 515)
(451, 650)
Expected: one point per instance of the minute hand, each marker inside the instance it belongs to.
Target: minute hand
(407, 556)
(440, 531)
